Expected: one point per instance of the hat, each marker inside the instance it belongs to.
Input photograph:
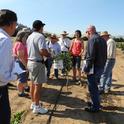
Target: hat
(64, 33)
(105, 33)
(53, 36)
(37, 24)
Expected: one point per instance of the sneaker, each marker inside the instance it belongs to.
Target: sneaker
(78, 82)
(90, 104)
(56, 78)
(10, 85)
(27, 89)
(63, 74)
(22, 94)
(91, 109)
(74, 80)
(32, 106)
(106, 90)
(39, 110)
(101, 92)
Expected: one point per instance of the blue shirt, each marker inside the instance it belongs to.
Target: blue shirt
(6, 59)
(55, 47)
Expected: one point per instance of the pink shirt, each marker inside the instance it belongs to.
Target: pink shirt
(76, 47)
(20, 46)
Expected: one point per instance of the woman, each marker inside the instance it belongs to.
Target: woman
(55, 50)
(20, 54)
(76, 50)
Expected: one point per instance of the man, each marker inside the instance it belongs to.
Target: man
(64, 42)
(106, 77)
(96, 54)
(55, 49)
(36, 47)
(8, 21)
(65, 45)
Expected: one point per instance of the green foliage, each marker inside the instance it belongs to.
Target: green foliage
(120, 45)
(67, 60)
(16, 118)
(119, 39)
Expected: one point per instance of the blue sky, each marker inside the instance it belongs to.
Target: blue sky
(70, 15)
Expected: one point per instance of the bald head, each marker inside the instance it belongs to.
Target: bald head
(91, 30)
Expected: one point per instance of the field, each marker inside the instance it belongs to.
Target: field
(68, 107)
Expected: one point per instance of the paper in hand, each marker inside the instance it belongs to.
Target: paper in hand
(91, 71)
(17, 69)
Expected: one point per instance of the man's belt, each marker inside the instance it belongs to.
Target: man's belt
(39, 61)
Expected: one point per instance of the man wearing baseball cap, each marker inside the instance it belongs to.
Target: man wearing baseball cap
(36, 47)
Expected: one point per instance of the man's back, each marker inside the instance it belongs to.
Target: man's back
(35, 43)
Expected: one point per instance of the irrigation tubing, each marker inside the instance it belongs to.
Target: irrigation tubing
(55, 104)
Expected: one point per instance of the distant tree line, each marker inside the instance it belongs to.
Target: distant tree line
(120, 43)
(21, 27)
(119, 39)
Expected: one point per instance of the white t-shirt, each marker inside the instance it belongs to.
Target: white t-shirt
(111, 49)
(64, 43)
(35, 42)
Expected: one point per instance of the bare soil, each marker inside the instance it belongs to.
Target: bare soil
(69, 108)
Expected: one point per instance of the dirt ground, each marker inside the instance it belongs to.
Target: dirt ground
(71, 102)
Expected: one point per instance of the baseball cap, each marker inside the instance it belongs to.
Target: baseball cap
(37, 24)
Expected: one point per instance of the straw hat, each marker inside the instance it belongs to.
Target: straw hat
(64, 33)
(53, 36)
(105, 33)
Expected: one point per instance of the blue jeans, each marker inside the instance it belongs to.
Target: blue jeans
(24, 76)
(93, 81)
(106, 77)
(56, 73)
(48, 64)
(5, 111)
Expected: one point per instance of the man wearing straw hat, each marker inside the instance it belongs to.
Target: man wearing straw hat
(106, 77)
(65, 45)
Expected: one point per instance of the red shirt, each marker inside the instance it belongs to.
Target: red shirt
(76, 47)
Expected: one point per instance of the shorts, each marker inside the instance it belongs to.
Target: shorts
(24, 76)
(76, 62)
(37, 72)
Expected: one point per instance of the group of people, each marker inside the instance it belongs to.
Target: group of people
(34, 53)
